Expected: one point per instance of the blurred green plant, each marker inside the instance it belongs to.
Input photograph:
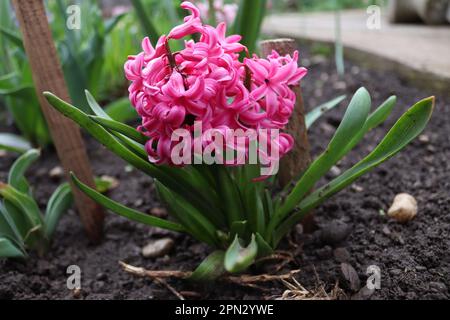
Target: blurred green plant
(22, 225)
(248, 22)
(90, 57)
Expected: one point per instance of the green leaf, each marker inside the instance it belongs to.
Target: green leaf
(230, 195)
(16, 176)
(238, 258)
(405, 130)
(319, 111)
(210, 269)
(264, 249)
(60, 201)
(14, 143)
(13, 37)
(7, 226)
(16, 219)
(122, 128)
(125, 211)
(8, 249)
(23, 202)
(121, 110)
(248, 22)
(354, 119)
(196, 222)
(374, 120)
(111, 23)
(146, 23)
(95, 107)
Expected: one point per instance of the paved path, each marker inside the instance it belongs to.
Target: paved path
(421, 48)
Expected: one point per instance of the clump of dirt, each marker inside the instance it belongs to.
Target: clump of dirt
(353, 231)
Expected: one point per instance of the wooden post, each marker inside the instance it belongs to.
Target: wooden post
(48, 76)
(299, 158)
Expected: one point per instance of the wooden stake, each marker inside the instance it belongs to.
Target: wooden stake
(48, 76)
(299, 158)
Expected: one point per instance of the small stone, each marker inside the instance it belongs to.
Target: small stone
(335, 232)
(56, 173)
(159, 212)
(387, 231)
(404, 208)
(339, 85)
(357, 188)
(41, 172)
(424, 138)
(3, 153)
(299, 229)
(438, 287)
(101, 276)
(355, 70)
(421, 268)
(335, 171)
(395, 272)
(139, 202)
(324, 76)
(324, 253)
(157, 248)
(77, 293)
(350, 276)
(341, 255)
(318, 59)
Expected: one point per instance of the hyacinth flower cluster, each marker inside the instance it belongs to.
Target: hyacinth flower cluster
(242, 218)
(205, 82)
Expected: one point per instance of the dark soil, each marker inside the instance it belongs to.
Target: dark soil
(413, 258)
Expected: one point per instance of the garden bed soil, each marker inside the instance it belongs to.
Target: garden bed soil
(352, 233)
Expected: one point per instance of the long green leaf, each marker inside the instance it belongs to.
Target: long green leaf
(353, 121)
(405, 130)
(60, 201)
(319, 111)
(125, 211)
(146, 23)
(16, 177)
(122, 128)
(7, 226)
(238, 258)
(210, 269)
(8, 249)
(248, 22)
(14, 143)
(121, 110)
(13, 37)
(196, 222)
(23, 202)
(230, 195)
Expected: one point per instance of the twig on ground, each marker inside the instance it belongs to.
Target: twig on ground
(241, 280)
